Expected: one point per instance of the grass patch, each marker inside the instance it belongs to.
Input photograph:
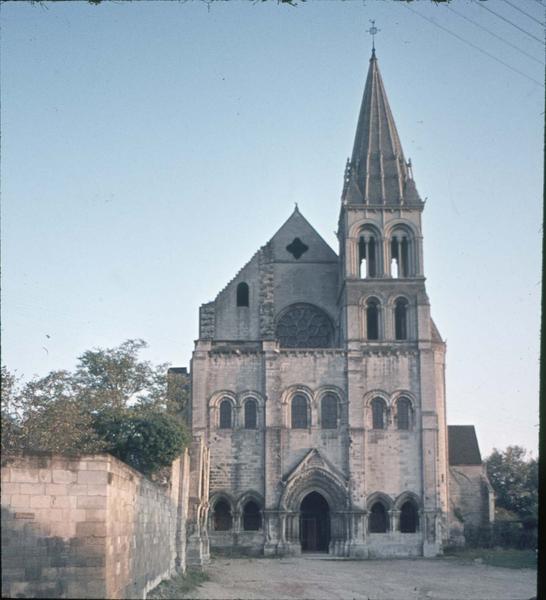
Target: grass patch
(496, 557)
(178, 586)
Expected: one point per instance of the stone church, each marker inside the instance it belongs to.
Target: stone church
(318, 380)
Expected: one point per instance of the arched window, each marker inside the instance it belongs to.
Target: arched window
(242, 294)
(328, 412)
(378, 518)
(378, 413)
(226, 421)
(401, 319)
(400, 254)
(409, 518)
(367, 255)
(251, 410)
(252, 519)
(299, 412)
(403, 413)
(372, 319)
(222, 516)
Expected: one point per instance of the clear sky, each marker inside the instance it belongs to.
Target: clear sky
(149, 149)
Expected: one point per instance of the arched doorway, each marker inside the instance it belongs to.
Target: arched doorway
(314, 523)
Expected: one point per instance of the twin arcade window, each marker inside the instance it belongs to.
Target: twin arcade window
(223, 516)
(400, 259)
(379, 518)
(300, 413)
(403, 414)
(374, 324)
(226, 416)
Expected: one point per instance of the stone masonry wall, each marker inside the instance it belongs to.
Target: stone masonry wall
(471, 497)
(87, 527)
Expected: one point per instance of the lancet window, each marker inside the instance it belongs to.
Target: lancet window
(299, 415)
(403, 413)
(401, 250)
(367, 255)
(379, 409)
(222, 519)
(251, 412)
(409, 517)
(328, 411)
(401, 319)
(226, 415)
(378, 518)
(243, 294)
(372, 319)
(252, 519)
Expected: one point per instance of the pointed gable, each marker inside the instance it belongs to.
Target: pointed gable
(298, 241)
(314, 460)
(295, 266)
(377, 172)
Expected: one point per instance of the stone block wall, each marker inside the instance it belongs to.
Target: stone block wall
(472, 500)
(88, 527)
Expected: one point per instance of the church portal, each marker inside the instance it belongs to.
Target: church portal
(314, 523)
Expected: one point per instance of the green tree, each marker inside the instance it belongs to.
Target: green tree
(54, 418)
(514, 477)
(145, 440)
(118, 378)
(11, 412)
(113, 401)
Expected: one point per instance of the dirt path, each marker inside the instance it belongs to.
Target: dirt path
(318, 577)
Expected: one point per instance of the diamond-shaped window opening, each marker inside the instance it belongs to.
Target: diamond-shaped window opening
(297, 248)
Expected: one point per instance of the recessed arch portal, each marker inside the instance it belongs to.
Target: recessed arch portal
(314, 523)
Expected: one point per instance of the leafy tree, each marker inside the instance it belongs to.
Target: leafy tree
(54, 418)
(514, 478)
(145, 440)
(118, 378)
(113, 402)
(11, 411)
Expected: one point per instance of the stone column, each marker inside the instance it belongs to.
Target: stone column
(400, 262)
(273, 441)
(395, 516)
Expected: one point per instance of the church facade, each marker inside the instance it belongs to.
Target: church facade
(318, 377)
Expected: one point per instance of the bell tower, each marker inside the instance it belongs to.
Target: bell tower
(380, 223)
(384, 315)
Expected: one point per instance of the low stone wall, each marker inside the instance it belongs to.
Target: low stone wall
(89, 527)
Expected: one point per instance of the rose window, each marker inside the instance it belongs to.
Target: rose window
(304, 326)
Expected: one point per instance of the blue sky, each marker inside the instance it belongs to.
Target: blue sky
(148, 150)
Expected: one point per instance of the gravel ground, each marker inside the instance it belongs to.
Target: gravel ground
(317, 577)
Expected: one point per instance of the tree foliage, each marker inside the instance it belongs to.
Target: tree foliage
(114, 401)
(145, 440)
(514, 477)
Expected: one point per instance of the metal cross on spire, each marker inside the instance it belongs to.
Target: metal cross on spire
(373, 31)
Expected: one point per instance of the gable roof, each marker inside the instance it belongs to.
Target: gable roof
(297, 226)
(463, 445)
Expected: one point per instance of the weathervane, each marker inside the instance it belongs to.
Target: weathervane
(373, 31)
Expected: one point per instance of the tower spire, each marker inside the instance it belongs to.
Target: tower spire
(377, 172)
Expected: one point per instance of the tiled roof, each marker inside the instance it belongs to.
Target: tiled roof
(463, 445)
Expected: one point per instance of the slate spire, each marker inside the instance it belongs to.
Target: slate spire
(377, 172)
